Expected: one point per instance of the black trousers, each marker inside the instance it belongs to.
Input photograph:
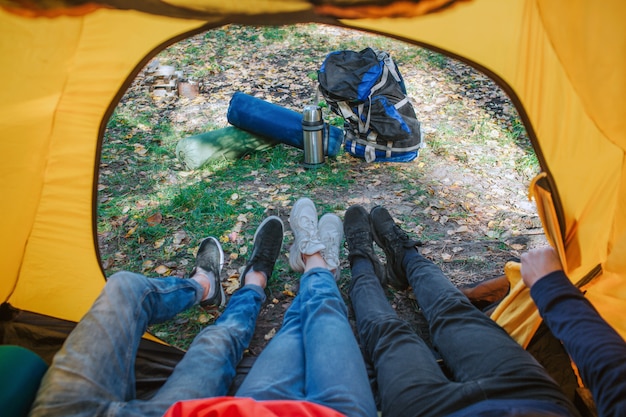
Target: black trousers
(485, 362)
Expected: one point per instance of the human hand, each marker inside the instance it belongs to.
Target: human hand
(537, 263)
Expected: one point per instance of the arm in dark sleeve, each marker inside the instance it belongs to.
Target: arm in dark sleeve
(594, 346)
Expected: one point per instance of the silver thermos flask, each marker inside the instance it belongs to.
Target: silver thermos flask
(313, 136)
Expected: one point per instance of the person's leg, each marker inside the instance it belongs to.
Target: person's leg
(285, 348)
(318, 317)
(499, 364)
(338, 380)
(406, 370)
(477, 351)
(209, 366)
(454, 324)
(337, 377)
(278, 372)
(210, 363)
(95, 367)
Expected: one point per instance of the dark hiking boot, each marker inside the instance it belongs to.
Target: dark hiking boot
(268, 242)
(394, 241)
(358, 233)
(209, 261)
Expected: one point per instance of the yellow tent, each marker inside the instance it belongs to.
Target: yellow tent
(65, 65)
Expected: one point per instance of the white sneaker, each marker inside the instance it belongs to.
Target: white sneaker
(331, 234)
(303, 222)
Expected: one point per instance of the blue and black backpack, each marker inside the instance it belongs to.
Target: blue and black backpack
(367, 90)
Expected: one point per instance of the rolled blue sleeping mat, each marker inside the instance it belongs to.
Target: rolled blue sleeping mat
(276, 122)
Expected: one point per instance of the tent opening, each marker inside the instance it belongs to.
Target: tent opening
(464, 196)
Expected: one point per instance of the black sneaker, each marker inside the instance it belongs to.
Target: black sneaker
(358, 233)
(394, 241)
(268, 242)
(210, 258)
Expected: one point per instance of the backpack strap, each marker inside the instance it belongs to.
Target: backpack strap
(401, 103)
(381, 83)
(364, 126)
(389, 64)
(386, 148)
(346, 111)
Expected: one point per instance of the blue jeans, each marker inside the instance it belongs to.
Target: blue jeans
(314, 356)
(485, 363)
(93, 374)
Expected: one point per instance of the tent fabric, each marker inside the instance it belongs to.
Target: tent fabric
(66, 64)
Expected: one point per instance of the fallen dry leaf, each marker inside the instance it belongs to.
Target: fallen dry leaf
(180, 237)
(162, 270)
(131, 231)
(140, 149)
(231, 285)
(155, 219)
(205, 318)
(462, 229)
(147, 265)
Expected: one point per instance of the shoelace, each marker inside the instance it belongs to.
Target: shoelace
(305, 225)
(330, 253)
(357, 239)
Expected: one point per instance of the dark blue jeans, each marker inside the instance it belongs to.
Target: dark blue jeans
(485, 363)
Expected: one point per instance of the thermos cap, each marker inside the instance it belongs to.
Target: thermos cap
(312, 113)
